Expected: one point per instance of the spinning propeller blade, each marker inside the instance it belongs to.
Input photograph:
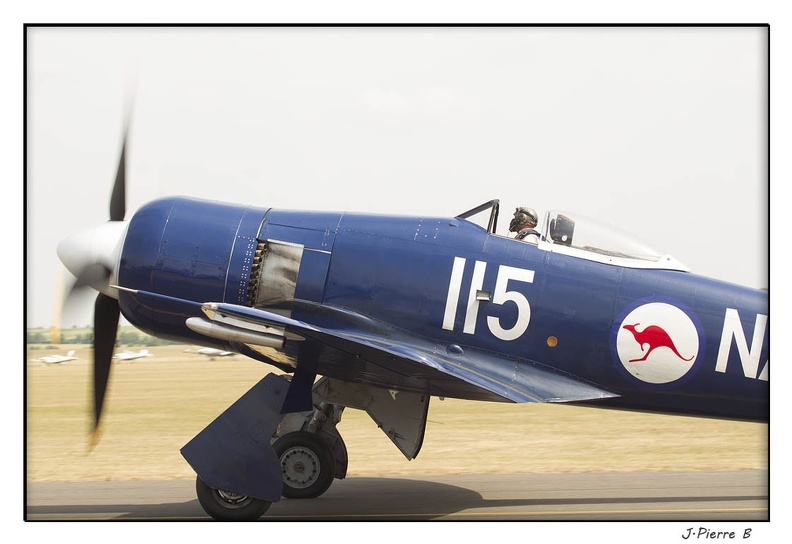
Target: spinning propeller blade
(91, 256)
(106, 316)
(118, 197)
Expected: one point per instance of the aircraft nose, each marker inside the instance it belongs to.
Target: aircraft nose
(91, 255)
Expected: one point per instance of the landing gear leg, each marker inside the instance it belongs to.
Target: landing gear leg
(310, 450)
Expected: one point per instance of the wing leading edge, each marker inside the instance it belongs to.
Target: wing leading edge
(510, 380)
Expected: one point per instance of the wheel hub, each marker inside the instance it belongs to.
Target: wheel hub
(300, 467)
(232, 499)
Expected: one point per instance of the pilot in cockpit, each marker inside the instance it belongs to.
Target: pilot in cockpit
(524, 223)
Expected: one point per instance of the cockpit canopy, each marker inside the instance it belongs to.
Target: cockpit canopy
(579, 236)
(573, 234)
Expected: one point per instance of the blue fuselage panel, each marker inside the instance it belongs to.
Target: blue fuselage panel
(663, 339)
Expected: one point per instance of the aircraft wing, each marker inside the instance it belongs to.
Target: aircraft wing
(497, 378)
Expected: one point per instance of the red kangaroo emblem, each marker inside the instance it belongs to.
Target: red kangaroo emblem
(656, 337)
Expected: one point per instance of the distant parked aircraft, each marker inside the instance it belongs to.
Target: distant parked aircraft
(131, 355)
(57, 359)
(212, 352)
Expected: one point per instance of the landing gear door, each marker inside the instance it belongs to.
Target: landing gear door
(401, 415)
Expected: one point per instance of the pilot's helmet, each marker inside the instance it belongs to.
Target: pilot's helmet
(523, 218)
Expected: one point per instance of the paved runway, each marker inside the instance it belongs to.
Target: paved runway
(615, 496)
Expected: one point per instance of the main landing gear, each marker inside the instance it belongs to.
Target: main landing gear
(241, 473)
(263, 455)
(308, 466)
(310, 450)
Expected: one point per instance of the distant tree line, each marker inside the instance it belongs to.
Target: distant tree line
(125, 337)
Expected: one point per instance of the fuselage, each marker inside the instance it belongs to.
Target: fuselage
(663, 340)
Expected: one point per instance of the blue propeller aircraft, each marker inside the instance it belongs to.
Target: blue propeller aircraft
(380, 313)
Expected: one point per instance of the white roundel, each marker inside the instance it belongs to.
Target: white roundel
(657, 343)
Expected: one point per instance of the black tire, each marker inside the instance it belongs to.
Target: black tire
(228, 506)
(307, 465)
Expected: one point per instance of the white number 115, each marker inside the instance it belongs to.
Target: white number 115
(476, 296)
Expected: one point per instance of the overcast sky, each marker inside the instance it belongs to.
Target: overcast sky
(660, 131)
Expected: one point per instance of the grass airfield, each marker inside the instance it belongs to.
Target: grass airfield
(155, 405)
